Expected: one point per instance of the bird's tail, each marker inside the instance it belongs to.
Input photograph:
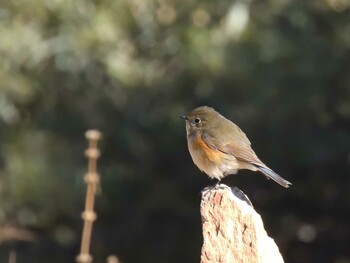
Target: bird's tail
(271, 174)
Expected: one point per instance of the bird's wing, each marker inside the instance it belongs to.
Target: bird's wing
(228, 131)
(237, 148)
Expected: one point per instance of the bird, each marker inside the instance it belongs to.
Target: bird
(219, 148)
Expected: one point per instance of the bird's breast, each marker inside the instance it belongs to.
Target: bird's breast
(213, 162)
(205, 158)
(202, 152)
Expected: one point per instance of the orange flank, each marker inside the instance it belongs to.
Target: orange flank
(200, 147)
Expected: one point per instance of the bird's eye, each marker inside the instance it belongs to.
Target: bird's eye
(197, 120)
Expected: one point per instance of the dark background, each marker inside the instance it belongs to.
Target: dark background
(278, 68)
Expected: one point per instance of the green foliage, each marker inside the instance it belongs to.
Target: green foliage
(130, 68)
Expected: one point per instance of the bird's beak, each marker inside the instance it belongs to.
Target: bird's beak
(184, 117)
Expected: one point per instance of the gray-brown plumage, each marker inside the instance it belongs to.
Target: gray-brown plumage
(219, 147)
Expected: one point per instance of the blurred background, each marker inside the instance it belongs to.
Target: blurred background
(130, 68)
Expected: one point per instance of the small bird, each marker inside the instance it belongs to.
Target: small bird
(219, 147)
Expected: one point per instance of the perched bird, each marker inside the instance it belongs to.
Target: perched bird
(219, 147)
